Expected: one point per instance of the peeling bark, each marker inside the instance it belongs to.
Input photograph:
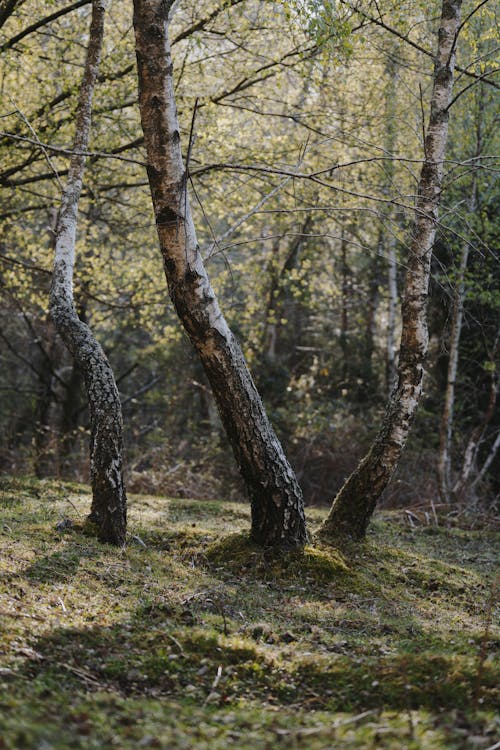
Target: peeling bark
(354, 504)
(276, 498)
(108, 510)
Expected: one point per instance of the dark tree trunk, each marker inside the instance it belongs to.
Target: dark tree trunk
(108, 510)
(354, 505)
(276, 499)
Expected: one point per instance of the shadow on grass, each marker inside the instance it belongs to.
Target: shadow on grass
(60, 566)
(105, 682)
(168, 651)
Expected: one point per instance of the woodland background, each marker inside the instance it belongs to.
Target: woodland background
(302, 126)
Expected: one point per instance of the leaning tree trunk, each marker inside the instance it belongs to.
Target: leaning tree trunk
(354, 504)
(276, 499)
(108, 510)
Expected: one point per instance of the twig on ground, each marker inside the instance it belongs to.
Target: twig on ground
(215, 683)
(176, 643)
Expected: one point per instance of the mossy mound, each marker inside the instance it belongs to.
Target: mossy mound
(239, 554)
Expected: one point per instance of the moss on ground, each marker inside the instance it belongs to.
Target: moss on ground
(192, 636)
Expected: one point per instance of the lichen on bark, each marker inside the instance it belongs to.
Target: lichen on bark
(108, 511)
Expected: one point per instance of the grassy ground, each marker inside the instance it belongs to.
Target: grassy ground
(192, 638)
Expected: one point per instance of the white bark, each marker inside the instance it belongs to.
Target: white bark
(354, 505)
(469, 464)
(444, 464)
(446, 430)
(109, 500)
(489, 460)
(392, 286)
(392, 275)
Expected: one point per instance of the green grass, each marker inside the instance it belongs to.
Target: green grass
(194, 637)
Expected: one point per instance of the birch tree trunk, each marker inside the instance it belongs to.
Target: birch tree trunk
(392, 288)
(469, 463)
(389, 239)
(346, 291)
(354, 504)
(486, 465)
(108, 510)
(446, 429)
(276, 499)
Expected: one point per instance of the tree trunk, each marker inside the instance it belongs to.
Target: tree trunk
(469, 464)
(392, 284)
(276, 499)
(446, 429)
(344, 319)
(368, 388)
(354, 505)
(486, 465)
(108, 510)
(389, 237)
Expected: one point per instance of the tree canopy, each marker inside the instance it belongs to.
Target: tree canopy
(302, 128)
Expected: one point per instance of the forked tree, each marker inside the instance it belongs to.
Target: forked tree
(108, 511)
(356, 500)
(275, 496)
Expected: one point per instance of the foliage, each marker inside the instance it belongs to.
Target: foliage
(295, 101)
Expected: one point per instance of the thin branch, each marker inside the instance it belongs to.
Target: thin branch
(144, 389)
(471, 84)
(399, 35)
(72, 152)
(38, 142)
(43, 22)
(199, 25)
(7, 8)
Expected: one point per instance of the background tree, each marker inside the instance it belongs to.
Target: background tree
(290, 149)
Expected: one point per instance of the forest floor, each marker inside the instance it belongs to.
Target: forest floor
(190, 637)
